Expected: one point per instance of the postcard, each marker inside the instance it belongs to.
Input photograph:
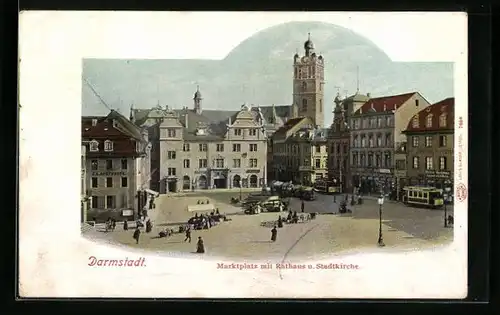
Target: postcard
(243, 154)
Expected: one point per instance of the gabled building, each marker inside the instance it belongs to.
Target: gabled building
(338, 146)
(299, 152)
(376, 132)
(430, 148)
(206, 149)
(117, 164)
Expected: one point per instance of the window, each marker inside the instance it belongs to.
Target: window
(236, 163)
(95, 202)
(379, 122)
(370, 159)
(236, 147)
(124, 163)
(416, 103)
(237, 132)
(94, 165)
(317, 163)
(124, 181)
(320, 103)
(171, 171)
(220, 147)
(171, 133)
(253, 147)
(202, 147)
(442, 163)
(94, 183)
(388, 121)
(202, 163)
(110, 202)
(428, 163)
(442, 141)
(416, 162)
(345, 149)
(373, 122)
(442, 120)
(415, 122)
(318, 149)
(253, 163)
(304, 86)
(185, 147)
(377, 160)
(109, 164)
(109, 182)
(370, 141)
(414, 141)
(388, 140)
(363, 141)
(428, 141)
(304, 105)
(108, 146)
(355, 159)
(387, 160)
(94, 122)
(428, 121)
(94, 146)
(171, 155)
(379, 141)
(219, 163)
(253, 132)
(363, 160)
(338, 148)
(186, 163)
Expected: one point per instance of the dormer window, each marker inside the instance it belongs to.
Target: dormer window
(94, 122)
(428, 123)
(253, 132)
(442, 120)
(108, 146)
(94, 146)
(415, 123)
(237, 132)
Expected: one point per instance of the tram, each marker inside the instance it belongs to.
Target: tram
(427, 197)
(327, 187)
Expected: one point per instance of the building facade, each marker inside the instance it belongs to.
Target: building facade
(117, 157)
(431, 145)
(83, 185)
(338, 147)
(376, 132)
(300, 152)
(206, 149)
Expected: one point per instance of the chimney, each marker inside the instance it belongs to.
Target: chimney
(229, 123)
(385, 107)
(186, 118)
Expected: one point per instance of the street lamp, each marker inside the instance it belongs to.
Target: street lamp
(380, 203)
(240, 188)
(446, 195)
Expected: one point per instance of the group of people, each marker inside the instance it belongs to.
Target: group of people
(110, 224)
(206, 221)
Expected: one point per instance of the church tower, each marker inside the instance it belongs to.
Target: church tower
(308, 81)
(197, 101)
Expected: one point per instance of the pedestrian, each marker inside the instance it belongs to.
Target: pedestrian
(113, 224)
(149, 226)
(200, 247)
(188, 235)
(125, 225)
(280, 222)
(137, 234)
(274, 234)
(302, 206)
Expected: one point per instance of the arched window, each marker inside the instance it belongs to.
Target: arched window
(415, 122)
(428, 122)
(304, 105)
(94, 146)
(443, 120)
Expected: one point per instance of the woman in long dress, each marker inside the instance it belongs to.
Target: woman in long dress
(274, 234)
(200, 247)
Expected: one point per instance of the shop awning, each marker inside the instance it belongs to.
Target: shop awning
(152, 192)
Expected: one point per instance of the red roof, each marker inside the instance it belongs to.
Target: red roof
(390, 102)
(433, 112)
